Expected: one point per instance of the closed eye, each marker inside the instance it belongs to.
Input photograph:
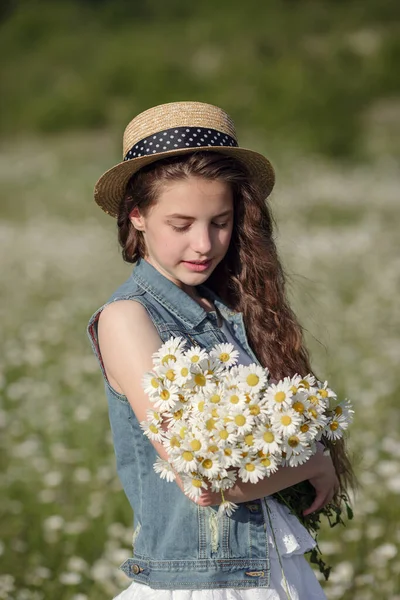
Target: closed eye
(186, 227)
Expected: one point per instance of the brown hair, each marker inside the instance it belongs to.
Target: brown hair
(250, 279)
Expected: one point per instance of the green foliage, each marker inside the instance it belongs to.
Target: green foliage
(302, 73)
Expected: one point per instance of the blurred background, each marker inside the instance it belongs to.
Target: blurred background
(314, 86)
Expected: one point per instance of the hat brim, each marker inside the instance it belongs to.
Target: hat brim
(110, 188)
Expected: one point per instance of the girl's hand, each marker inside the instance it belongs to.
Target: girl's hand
(325, 482)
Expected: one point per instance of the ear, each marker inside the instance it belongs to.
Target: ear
(136, 219)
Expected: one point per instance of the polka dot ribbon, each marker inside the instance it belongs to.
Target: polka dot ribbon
(177, 138)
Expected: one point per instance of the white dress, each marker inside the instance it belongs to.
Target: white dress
(299, 581)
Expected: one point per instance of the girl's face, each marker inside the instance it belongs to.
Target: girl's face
(191, 221)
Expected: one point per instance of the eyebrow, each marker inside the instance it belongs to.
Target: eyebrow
(178, 216)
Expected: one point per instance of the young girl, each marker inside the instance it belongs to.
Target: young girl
(191, 214)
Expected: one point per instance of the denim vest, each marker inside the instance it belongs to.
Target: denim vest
(176, 543)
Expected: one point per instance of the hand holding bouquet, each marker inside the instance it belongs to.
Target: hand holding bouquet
(219, 421)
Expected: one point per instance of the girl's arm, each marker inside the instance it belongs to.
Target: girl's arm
(319, 470)
(128, 339)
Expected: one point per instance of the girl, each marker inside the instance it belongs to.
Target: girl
(191, 214)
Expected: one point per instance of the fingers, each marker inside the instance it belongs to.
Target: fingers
(322, 499)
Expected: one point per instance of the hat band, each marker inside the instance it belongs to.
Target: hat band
(177, 138)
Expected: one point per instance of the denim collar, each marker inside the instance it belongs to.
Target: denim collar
(174, 298)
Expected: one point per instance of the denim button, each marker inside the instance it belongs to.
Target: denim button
(136, 569)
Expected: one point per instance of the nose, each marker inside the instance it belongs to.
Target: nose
(202, 241)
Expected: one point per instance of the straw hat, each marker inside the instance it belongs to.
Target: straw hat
(173, 129)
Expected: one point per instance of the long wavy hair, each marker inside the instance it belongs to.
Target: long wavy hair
(250, 279)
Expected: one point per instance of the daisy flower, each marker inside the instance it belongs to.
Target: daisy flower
(210, 466)
(193, 485)
(294, 444)
(251, 470)
(226, 508)
(151, 383)
(172, 442)
(242, 419)
(298, 458)
(307, 382)
(278, 395)
(225, 354)
(286, 422)
(153, 416)
(195, 355)
(234, 398)
(170, 350)
(252, 378)
(167, 397)
(152, 431)
(267, 440)
(335, 427)
(164, 469)
(231, 457)
(300, 402)
(269, 461)
(201, 381)
(224, 482)
(324, 391)
(309, 429)
(183, 372)
(344, 408)
(186, 460)
(167, 370)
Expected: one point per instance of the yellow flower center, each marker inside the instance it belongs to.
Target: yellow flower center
(252, 379)
(195, 358)
(228, 452)
(268, 437)
(164, 395)
(195, 445)
(305, 384)
(313, 399)
(298, 407)
(214, 413)
(224, 357)
(254, 409)
(184, 371)
(213, 448)
(293, 441)
(187, 455)
(168, 357)
(265, 462)
(286, 420)
(223, 434)
(323, 393)
(200, 406)
(154, 382)
(294, 389)
(208, 463)
(215, 398)
(240, 420)
(304, 428)
(178, 414)
(175, 443)
(196, 483)
(210, 424)
(199, 379)
(338, 411)
(234, 399)
(280, 397)
(182, 432)
(334, 425)
(153, 428)
(170, 374)
(313, 412)
(249, 439)
(250, 467)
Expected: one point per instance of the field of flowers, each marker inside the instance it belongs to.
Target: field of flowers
(65, 522)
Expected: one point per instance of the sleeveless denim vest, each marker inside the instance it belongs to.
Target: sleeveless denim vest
(176, 543)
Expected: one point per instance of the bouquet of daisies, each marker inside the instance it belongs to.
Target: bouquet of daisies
(219, 420)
